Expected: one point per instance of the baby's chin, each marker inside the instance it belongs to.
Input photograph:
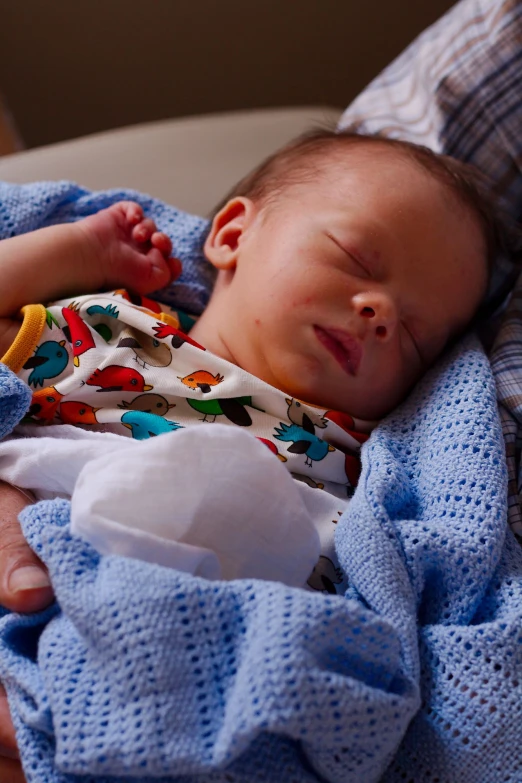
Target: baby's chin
(354, 399)
(369, 409)
(331, 403)
(372, 411)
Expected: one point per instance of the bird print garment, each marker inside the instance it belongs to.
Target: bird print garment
(124, 364)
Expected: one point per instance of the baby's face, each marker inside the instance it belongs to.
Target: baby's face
(344, 291)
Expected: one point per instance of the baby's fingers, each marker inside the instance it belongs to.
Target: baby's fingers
(175, 267)
(144, 230)
(161, 242)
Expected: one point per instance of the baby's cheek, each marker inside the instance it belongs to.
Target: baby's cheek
(306, 301)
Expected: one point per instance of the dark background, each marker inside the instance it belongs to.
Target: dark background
(73, 67)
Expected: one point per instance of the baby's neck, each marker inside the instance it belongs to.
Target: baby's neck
(204, 333)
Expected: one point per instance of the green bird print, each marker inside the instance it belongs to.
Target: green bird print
(232, 408)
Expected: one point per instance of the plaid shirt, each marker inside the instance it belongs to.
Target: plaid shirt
(458, 90)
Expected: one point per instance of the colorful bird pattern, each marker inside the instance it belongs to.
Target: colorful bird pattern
(273, 448)
(147, 377)
(118, 378)
(148, 351)
(139, 301)
(149, 403)
(73, 412)
(45, 402)
(78, 334)
(177, 337)
(140, 369)
(202, 380)
(232, 408)
(147, 425)
(110, 311)
(50, 360)
(303, 441)
(325, 576)
(299, 413)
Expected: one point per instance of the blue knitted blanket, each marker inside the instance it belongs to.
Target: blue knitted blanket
(141, 672)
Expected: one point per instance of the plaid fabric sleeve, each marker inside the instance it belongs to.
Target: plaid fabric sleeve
(506, 361)
(458, 90)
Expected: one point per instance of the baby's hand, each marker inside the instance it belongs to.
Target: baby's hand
(125, 250)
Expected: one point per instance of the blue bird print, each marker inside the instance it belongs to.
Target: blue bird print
(111, 310)
(50, 359)
(147, 425)
(304, 441)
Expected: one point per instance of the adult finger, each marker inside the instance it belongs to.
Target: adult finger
(24, 582)
(8, 745)
(11, 771)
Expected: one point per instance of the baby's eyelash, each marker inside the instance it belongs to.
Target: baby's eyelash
(350, 255)
(359, 264)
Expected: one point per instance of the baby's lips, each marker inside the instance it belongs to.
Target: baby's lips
(351, 345)
(345, 348)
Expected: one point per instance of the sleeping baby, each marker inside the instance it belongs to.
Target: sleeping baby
(345, 265)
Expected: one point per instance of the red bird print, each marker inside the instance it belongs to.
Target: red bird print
(78, 334)
(178, 337)
(116, 378)
(72, 412)
(273, 448)
(139, 300)
(352, 468)
(346, 423)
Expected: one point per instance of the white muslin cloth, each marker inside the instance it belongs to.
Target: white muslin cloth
(213, 502)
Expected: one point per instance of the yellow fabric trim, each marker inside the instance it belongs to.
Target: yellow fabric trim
(166, 318)
(33, 324)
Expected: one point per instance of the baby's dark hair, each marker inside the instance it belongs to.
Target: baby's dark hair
(302, 160)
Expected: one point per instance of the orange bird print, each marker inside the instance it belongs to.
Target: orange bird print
(45, 402)
(78, 334)
(72, 412)
(116, 378)
(202, 380)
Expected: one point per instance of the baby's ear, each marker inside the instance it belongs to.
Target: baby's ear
(229, 225)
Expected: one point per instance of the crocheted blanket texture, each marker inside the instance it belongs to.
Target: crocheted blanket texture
(142, 672)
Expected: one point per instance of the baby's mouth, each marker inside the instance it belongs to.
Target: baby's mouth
(345, 349)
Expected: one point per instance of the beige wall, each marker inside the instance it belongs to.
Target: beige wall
(71, 67)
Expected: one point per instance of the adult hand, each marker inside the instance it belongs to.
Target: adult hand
(10, 767)
(11, 771)
(24, 587)
(24, 582)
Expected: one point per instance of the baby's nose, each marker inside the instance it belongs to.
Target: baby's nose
(378, 312)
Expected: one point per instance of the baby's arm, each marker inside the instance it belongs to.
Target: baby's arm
(116, 247)
(37, 266)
